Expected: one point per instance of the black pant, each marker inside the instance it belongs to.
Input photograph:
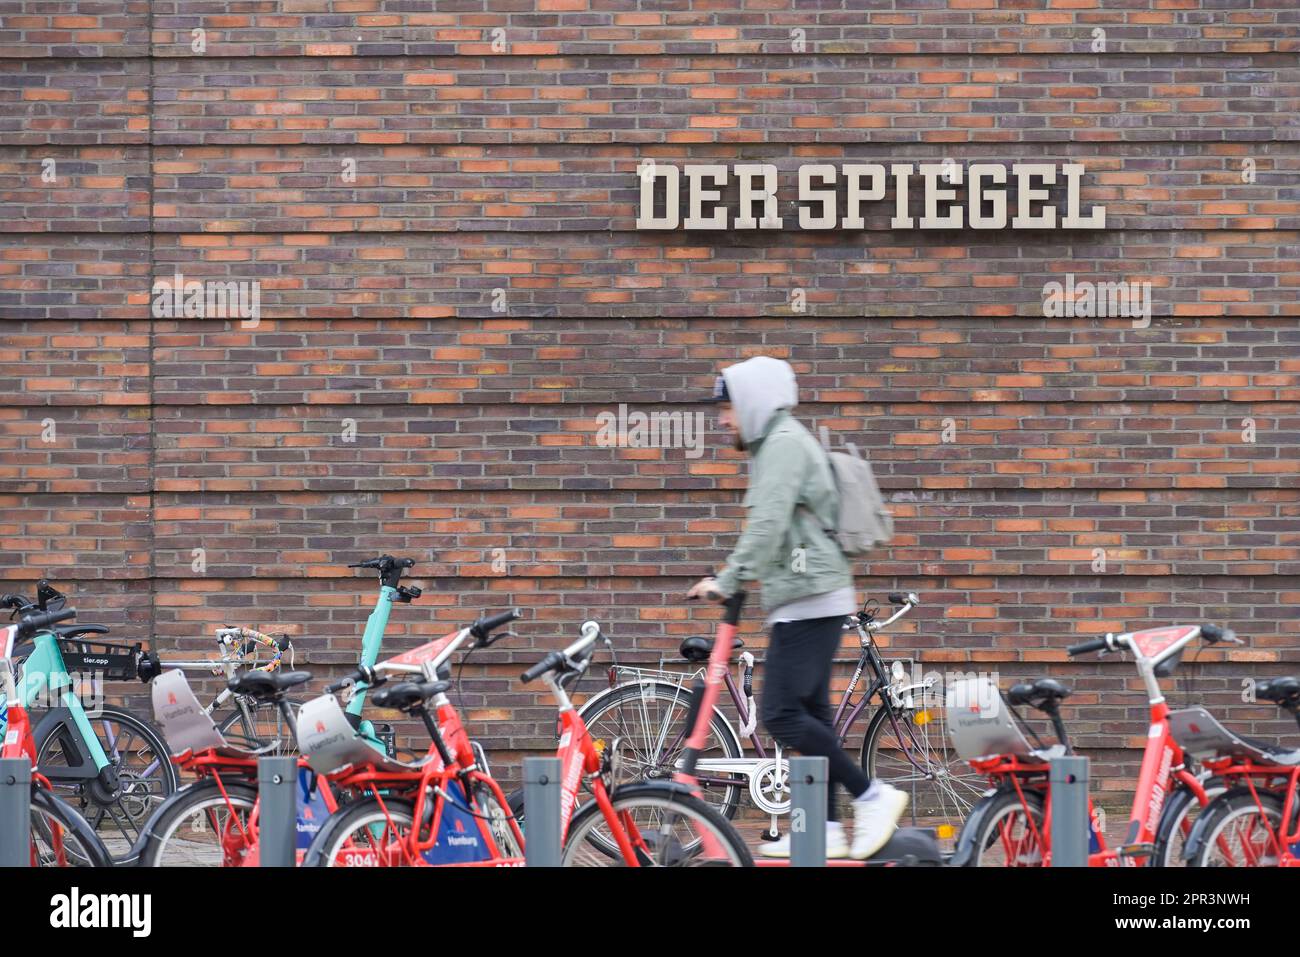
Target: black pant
(796, 701)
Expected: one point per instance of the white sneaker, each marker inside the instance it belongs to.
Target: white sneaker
(837, 845)
(875, 818)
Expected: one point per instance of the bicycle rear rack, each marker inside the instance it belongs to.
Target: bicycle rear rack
(646, 675)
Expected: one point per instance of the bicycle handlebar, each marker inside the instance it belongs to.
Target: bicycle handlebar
(385, 562)
(553, 660)
(863, 619)
(557, 659)
(1208, 632)
(483, 628)
(30, 624)
(363, 673)
(1083, 647)
(733, 605)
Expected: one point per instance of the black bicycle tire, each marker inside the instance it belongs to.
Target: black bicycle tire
(148, 731)
(181, 801)
(719, 724)
(69, 818)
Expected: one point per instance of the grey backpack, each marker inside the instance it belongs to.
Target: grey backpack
(863, 520)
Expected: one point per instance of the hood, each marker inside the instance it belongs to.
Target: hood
(758, 387)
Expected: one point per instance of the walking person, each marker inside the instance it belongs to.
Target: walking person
(806, 590)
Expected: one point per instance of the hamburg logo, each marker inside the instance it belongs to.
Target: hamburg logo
(460, 826)
(171, 697)
(320, 727)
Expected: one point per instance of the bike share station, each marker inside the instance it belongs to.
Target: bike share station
(294, 797)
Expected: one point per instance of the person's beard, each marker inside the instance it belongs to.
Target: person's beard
(738, 443)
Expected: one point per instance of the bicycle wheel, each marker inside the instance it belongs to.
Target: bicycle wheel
(1177, 818)
(365, 833)
(198, 826)
(61, 837)
(498, 822)
(669, 823)
(649, 720)
(137, 752)
(909, 750)
(261, 726)
(1240, 832)
(1006, 833)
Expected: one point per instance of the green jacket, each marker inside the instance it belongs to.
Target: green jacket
(790, 502)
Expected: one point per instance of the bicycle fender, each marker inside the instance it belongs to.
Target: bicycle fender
(1197, 837)
(966, 849)
(651, 787)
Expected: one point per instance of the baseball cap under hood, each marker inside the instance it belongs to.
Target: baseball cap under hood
(757, 388)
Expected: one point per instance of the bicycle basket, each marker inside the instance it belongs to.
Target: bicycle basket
(106, 661)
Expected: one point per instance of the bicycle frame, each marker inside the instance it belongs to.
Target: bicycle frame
(459, 765)
(17, 740)
(372, 640)
(44, 673)
(846, 714)
(240, 841)
(1253, 777)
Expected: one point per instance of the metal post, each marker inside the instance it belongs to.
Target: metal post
(808, 782)
(1068, 779)
(277, 814)
(542, 812)
(15, 812)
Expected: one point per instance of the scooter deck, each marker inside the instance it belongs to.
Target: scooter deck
(909, 847)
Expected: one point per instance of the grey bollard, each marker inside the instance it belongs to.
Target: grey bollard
(15, 812)
(1068, 779)
(277, 815)
(808, 783)
(542, 812)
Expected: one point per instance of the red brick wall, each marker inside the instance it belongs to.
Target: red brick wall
(480, 170)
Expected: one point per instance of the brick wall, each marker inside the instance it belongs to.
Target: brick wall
(488, 174)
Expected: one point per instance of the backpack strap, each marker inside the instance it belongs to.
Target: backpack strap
(824, 434)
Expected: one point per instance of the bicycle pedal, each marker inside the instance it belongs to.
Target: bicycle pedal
(1137, 850)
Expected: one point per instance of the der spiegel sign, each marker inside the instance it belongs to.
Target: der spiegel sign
(829, 196)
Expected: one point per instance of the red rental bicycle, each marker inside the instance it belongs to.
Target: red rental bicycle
(1011, 826)
(1256, 821)
(449, 787)
(214, 821)
(60, 836)
(398, 816)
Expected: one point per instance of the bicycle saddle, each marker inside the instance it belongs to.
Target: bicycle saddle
(267, 684)
(1282, 691)
(1041, 694)
(699, 648)
(406, 695)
